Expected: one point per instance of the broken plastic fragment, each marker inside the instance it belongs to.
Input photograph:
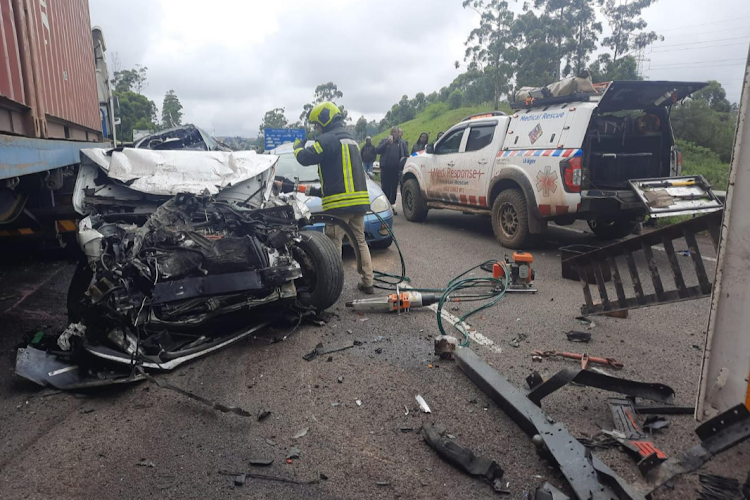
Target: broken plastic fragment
(294, 452)
(423, 404)
(301, 433)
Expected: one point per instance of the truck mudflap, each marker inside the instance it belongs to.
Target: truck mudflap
(669, 196)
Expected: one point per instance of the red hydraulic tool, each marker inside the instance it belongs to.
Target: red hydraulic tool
(521, 275)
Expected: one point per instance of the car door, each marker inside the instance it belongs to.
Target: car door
(477, 161)
(442, 175)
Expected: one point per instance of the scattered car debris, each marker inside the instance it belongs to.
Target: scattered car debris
(574, 460)
(664, 410)
(575, 336)
(263, 414)
(584, 358)
(623, 415)
(379, 350)
(718, 487)
(655, 423)
(464, 459)
(216, 406)
(653, 392)
(423, 404)
(145, 463)
(266, 477)
(548, 492)
(270, 442)
(406, 410)
(445, 346)
(73, 330)
(261, 462)
(340, 379)
(301, 433)
(293, 452)
(320, 350)
(239, 479)
(359, 402)
(382, 483)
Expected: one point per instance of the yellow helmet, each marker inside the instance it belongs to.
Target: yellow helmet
(323, 113)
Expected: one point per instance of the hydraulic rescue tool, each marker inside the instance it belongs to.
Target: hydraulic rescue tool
(521, 275)
(399, 301)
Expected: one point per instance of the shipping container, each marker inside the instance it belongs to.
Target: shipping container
(47, 70)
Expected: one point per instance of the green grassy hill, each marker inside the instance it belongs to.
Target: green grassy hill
(436, 118)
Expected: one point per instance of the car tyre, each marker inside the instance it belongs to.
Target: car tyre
(322, 270)
(611, 229)
(510, 219)
(414, 204)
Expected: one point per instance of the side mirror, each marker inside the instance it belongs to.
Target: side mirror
(430, 149)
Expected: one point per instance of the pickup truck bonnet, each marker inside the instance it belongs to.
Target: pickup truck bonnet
(236, 176)
(628, 95)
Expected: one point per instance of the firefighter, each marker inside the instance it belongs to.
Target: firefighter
(343, 185)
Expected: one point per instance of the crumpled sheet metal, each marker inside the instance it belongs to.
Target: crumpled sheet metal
(464, 459)
(172, 172)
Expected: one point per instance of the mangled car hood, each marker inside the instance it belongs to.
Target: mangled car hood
(238, 176)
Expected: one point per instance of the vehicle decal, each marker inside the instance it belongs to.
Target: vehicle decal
(565, 153)
(546, 181)
(477, 201)
(535, 133)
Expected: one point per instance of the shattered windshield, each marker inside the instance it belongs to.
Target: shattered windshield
(289, 167)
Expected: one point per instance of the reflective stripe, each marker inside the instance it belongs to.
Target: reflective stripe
(341, 196)
(350, 187)
(357, 198)
(317, 147)
(296, 151)
(343, 204)
(343, 163)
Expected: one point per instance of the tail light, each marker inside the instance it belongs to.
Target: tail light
(572, 174)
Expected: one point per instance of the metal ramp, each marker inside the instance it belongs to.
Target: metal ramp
(659, 292)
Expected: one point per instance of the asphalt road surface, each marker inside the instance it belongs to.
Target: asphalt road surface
(89, 445)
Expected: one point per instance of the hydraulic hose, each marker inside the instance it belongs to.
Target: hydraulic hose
(494, 289)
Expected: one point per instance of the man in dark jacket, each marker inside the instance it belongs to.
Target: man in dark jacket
(391, 150)
(368, 155)
(343, 184)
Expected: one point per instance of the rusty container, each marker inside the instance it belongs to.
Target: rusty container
(47, 72)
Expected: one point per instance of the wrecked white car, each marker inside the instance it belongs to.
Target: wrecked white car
(185, 253)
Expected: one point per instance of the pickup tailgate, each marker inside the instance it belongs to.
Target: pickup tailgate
(669, 196)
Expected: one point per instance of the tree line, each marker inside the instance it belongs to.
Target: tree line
(136, 111)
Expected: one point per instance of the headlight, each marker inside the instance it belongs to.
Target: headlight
(380, 204)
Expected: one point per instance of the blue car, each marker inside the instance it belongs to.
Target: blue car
(376, 233)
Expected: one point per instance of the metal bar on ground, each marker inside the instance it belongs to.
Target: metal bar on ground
(679, 281)
(621, 299)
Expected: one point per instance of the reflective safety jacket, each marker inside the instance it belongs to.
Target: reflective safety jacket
(343, 184)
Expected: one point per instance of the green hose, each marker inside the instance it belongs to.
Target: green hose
(495, 288)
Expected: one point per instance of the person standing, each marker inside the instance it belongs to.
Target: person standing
(368, 155)
(421, 144)
(391, 150)
(343, 182)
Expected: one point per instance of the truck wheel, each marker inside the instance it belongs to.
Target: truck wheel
(611, 229)
(415, 207)
(510, 219)
(322, 270)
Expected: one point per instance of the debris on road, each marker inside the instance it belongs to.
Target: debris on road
(623, 415)
(664, 410)
(359, 402)
(270, 442)
(320, 350)
(382, 483)
(293, 452)
(655, 423)
(263, 414)
(718, 487)
(261, 462)
(464, 459)
(239, 480)
(145, 463)
(654, 392)
(584, 358)
(548, 492)
(340, 379)
(423, 404)
(301, 433)
(575, 336)
(216, 406)
(445, 346)
(266, 477)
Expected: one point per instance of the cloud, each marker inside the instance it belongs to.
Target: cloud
(230, 61)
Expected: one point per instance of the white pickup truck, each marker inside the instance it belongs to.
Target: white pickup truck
(560, 159)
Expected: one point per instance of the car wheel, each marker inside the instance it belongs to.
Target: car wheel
(415, 206)
(322, 270)
(611, 229)
(510, 219)
(381, 244)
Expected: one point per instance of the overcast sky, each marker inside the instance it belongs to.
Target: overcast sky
(229, 61)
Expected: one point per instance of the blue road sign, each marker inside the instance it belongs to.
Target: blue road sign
(277, 136)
